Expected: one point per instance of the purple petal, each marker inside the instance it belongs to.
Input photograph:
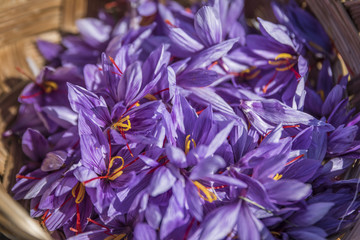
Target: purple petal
(153, 215)
(208, 26)
(63, 116)
(183, 115)
(94, 31)
(133, 78)
(176, 156)
(249, 226)
(94, 145)
(49, 50)
(173, 218)
(265, 115)
(208, 96)
(197, 78)
(288, 191)
(183, 45)
(82, 100)
(218, 223)
(161, 181)
(275, 31)
(334, 97)
(305, 233)
(92, 77)
(313, 213)
(219, 138)
(211, 54)
(42, 185)
(207, 166)
(30, 142)
(147, 9)
(144, 232)
(53, 161)
(194, 201)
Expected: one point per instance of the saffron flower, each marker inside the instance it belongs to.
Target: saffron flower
(187, 123)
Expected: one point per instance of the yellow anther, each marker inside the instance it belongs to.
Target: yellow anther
(117, 172)
(137, 104)
(283, 56)
(316, 46)
(277, 234)
(209, 196)
(253, 75)
(277, 177)
(322, 94)
(116, 237)
(78, 192)
(50, 86)
(282, 69)
(123, 123)
(188, 142)
(282, 59)
(150, 97)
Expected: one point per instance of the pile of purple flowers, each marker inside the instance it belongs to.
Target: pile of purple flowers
(188, 123)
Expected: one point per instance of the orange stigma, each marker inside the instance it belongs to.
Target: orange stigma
(117, 67)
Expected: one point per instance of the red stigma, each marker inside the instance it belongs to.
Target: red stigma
(297, 75)
(291, 126)
(218, 187)
(163, 90)
(153, 170)
(117, 67)
(297, 158)
(111, 5)
(199, 112)
(32, 95)
(26, 177)
(167, 21)
(212, 65)
(270, 81)
(100, 225)
(188, 229)
(78, 220)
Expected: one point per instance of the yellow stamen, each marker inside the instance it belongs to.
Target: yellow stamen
(137, 104)
(187, 144)
(116, 237)
(277, 234)
(285, 68)
(150, 97)
(50, 86)
(254, 75)
(282, 59)
(80, 194)
(322, 94)
(277, 177)
(316, 46)
(123, 123)
(209, 196)
(117, 172)
(283, 56)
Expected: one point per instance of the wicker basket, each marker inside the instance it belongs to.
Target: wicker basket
(23, 21)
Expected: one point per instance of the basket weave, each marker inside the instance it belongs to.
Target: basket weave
(24, 21)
